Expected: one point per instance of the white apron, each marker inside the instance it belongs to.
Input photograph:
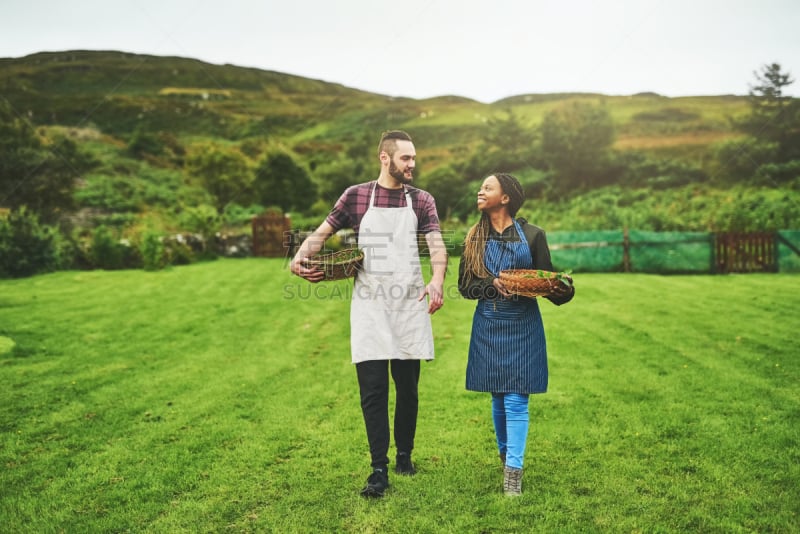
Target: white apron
(387, 320)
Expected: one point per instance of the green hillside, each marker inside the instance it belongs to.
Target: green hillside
(116, 92)
(139, 143)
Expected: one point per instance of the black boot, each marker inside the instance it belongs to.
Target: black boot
(404, 465)
(377, 483)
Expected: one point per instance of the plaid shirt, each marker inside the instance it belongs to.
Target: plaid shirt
(353, 204)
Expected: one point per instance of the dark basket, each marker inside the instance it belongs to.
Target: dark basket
(337, 265)
(531, 282)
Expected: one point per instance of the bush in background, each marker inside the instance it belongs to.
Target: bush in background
(108, 252)
(26, 246)
(154, 256)
(183, 249)
(237, 216)
(205, 221)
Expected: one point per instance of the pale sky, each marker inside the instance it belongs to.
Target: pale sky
(481, 49)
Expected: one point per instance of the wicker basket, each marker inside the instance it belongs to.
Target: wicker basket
(337, 265)
(531, 282)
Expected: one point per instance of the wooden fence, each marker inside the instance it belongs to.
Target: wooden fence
(737, 252)
(269, 230)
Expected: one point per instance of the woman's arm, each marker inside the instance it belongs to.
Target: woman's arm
(477, 288)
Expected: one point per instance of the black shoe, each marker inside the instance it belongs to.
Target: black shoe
(404, 465)
(377, 483)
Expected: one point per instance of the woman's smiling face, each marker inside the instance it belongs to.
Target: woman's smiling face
(491, 196)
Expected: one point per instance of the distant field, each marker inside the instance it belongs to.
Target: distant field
(219, 396)
(663, 141)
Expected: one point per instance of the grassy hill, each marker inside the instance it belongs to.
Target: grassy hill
(103, 100)
(117, 92)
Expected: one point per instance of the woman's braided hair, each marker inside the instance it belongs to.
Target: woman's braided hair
(475, 242)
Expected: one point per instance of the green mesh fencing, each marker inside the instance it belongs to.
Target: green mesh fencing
(652, 252)
(789, 251)
(670, 252)
(587, 252)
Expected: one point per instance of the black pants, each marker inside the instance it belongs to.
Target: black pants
(373, 381)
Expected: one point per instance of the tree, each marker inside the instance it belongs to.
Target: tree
(280, 181)
(35, 170)
(507, 146)
(225, 173)
(452, 194)
(576, 143)
(335, 176)
(774, 116)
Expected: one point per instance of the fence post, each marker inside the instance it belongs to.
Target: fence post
(714, 260)
(626, 250)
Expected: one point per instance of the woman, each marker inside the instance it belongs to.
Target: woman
(507, 351)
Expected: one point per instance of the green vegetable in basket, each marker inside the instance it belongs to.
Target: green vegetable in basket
(563, 276)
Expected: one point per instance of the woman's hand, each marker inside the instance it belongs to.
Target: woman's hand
(564, 289)
(501, 288)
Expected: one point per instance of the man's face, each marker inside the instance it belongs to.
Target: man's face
(402, 163)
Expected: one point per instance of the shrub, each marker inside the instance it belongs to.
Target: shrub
(68, 253)
(103, 251)
(739, 159)
(236, 215)
(26, 247)
(453, 237)
(144, 142)
(202, 219)
(640, 170)
(182, 254)
(183, 249)
(154, 256)
(778, 174)
(108, 252)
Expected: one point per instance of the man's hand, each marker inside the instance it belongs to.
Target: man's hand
(313, 275)
(311, 246)
(435, 297)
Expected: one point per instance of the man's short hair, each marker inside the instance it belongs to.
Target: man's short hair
(389, 140)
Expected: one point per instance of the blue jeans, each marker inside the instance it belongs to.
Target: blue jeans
(510, 416)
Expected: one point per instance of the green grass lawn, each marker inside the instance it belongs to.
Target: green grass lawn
(220, 396)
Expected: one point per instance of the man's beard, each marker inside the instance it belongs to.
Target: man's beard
(398, 175)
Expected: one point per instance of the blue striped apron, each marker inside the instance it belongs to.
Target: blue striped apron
(507, 350)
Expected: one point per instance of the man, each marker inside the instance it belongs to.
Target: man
(390, 325)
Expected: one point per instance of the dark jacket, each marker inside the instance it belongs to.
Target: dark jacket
(482, 288)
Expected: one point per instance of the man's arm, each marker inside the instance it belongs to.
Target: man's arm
(435, 288)
(311, 246)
